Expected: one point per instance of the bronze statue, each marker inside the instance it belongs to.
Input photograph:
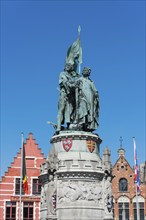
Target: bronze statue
(66, 105)
(78, 106)
(88, 109)
(78, 102)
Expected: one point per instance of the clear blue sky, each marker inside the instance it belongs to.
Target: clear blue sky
(35, 36)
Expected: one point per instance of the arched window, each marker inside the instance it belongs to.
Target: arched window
(123, 186)
(123, 206)
(140, 201)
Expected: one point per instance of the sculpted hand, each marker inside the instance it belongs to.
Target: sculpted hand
(96, 95)
(77, 83)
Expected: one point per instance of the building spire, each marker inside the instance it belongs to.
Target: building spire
(121, 151)
(121, 141)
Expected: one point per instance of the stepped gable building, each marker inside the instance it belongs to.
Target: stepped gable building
(10, 185)
(124, 191)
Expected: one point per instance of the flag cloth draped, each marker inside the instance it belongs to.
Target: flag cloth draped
(74, 54)
(24, 176)
(136, 172)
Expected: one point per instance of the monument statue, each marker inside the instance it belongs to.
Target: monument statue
(107, 189)
(66, 105)
(75, 184)
(78, 105)
(88, 102)
(79, 100)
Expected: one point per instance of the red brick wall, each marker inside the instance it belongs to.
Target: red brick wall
(34, 158)
(122, 169)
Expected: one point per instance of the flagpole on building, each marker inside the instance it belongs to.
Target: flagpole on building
(136, 173)
(21, 170)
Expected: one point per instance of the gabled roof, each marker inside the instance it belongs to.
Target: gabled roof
(31, 151)
(124, 159)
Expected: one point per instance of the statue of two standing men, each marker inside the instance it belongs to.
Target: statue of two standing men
(78, 105)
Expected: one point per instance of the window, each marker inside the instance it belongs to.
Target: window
(123, 186)
(17, 187)
(28, 211)
(36, 186)
(141, 210)
(10, 210)
(122, 167)
(123, 210)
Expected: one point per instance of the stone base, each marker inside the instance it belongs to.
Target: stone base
(78, 177)
(52, 217)
(43, 213)
(108, 218)
(80, 213)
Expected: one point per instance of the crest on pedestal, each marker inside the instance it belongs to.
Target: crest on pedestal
(91, 145)
(67, 144)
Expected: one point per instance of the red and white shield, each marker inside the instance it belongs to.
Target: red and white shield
(67, 144)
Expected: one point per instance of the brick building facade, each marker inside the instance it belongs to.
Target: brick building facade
(124, 191)
(10, 185)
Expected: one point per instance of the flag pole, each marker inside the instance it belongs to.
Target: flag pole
(137, 205)
(20, 207)
(135, 158)
(79, 30)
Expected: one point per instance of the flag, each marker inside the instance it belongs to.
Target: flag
(136, 172)
(24, 176)
(74, 54)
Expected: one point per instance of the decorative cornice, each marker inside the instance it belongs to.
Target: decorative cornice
(80, 175)
(76, 136)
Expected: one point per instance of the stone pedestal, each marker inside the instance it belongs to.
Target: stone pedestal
(78, 183)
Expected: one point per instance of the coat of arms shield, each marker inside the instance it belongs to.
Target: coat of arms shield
(91, 145)
(67, 144)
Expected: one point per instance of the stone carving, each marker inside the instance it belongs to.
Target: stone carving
(109, 203)
(43, 196)
(44, 168)
(49, 190)
(48, 195)
(52, 161)
(78, 191)
(107, 189)
(91, 145)
(67, 144)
